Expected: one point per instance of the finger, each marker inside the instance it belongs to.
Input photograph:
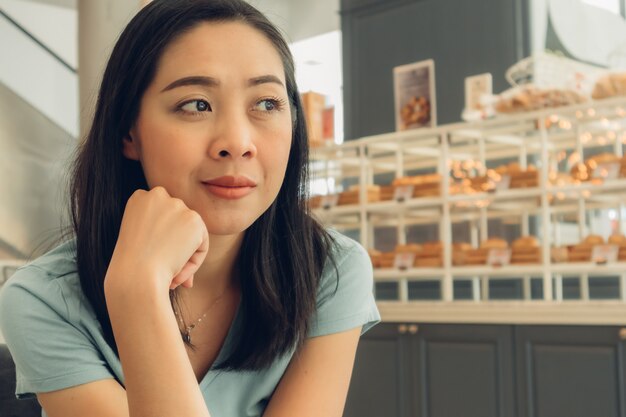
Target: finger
(185, 274)
(188, 283)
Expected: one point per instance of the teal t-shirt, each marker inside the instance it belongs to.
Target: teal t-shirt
(56, 341)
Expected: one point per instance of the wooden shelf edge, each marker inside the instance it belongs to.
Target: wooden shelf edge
(506, 312)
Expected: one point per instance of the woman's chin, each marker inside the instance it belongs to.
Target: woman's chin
(228, 227)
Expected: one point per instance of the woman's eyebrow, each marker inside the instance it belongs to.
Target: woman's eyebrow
(193, 80)
(204, 81)
(263, 79)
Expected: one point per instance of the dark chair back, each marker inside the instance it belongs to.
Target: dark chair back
(9, 405)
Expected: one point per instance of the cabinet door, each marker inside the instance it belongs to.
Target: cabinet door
(463, 370)
(380, 380)
(574, 371)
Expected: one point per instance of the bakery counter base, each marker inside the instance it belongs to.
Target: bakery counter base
(505, 312)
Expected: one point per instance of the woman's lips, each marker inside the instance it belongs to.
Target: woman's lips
(230, 187)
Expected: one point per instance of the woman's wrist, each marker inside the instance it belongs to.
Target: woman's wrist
(133, 288)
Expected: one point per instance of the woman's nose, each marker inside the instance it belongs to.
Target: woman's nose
(233, 138)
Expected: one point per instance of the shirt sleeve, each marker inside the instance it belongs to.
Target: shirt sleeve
(49, 350)
(346, 298)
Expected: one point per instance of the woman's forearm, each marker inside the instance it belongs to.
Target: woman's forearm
(158, 376)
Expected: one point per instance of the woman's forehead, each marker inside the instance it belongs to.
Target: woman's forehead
(220, 50)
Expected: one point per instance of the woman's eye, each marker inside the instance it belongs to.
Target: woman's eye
(196, 106)
(267, 105)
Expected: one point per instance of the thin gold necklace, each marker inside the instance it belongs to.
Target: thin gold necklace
(186, 334)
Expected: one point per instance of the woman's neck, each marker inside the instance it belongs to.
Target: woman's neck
(217, 273)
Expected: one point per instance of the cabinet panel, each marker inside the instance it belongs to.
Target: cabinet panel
(463, 371)
(570, 372)
(380, 380)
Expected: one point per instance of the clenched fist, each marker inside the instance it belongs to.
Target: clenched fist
(161, 244)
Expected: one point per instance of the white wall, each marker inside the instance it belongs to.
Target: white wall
(588, 32)
(301, 19)
(54, 26)
(33, 74)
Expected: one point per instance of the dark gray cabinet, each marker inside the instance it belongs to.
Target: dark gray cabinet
(463, 37)
(571, 371)
(434, 371)
(381, 378)
(448, 370)
(463, 370)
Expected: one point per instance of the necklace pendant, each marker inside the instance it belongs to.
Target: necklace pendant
(187, 337)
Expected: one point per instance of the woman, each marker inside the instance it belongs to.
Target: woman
(197, 283)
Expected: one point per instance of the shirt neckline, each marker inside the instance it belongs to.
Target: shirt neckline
(225, 350)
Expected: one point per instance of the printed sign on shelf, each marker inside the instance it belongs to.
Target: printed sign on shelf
(477, 87)
(499, 257)
(607, 171)
(329, 201)
(414, 95)
(504, 183)
(404, 260)
(602, 254)
(403, 192)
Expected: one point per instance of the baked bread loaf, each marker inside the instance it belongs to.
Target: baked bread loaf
(494, 243)
(609, 86)
(594, 240)
(529, 98)
(461, 246)
(584, 171)
(525, 242)
(617, 239)
(559, 254)
(408, 248)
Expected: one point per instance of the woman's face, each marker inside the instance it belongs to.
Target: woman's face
(214, 127)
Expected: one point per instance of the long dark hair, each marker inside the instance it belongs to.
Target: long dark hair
(283, 253)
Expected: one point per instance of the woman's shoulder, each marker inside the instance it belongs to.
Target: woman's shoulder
(51, 280)
(345, 297)
(348, 264)
(347, 252)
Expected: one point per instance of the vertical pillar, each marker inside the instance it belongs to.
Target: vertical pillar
(99, 25)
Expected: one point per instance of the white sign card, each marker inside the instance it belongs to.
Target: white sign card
(504, 183)
(329, 201)
(403, 192)
(404, 260)
(476, 87)
(604, 253)
(499, 257)
(607, 171)
(414, 95)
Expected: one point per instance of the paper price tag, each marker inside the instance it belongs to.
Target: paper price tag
(403, 192)
(504, 183)
(607, 171)
(329, 201)
(499, 257)
(404, 260)
(602, 254)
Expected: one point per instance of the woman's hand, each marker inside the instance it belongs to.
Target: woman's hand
(160, 240)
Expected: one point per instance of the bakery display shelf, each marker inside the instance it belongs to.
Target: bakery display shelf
(514, 271)
(399, 206)
(589, 268)
(393, 274)
(588, 189)
(509, 194)
(607, 193)
(505, 271)
(541, 142)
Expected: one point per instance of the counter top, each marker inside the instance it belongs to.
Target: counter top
(506, 312)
